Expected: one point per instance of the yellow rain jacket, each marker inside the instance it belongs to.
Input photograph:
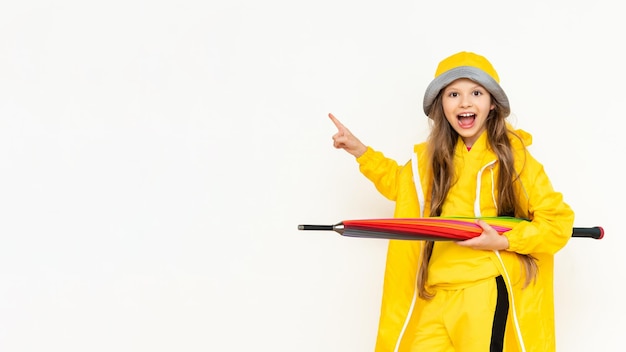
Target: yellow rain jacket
(531, 313)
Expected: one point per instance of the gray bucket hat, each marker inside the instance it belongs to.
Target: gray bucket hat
(471, 66)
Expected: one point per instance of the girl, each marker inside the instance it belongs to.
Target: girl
(492, 292)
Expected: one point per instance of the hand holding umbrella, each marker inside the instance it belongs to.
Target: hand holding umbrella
(489, 239)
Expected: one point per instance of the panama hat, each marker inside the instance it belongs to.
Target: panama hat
(466, 65)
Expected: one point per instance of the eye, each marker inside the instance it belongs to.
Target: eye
(477, 93)
(453, 94)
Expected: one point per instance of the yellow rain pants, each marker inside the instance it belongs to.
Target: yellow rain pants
(464, 319)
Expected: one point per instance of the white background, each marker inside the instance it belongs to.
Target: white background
(156, 158)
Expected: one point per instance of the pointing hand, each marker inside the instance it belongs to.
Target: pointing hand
(345, 140)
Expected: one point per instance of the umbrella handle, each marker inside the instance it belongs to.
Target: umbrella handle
(596, 232)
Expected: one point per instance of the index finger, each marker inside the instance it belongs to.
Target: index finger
(338, 124)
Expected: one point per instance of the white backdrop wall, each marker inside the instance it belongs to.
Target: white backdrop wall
(156, 158)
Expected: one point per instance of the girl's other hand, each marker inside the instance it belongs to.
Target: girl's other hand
(489, 239)
(345, 140)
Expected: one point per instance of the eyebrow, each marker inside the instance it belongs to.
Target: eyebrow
(477, 86)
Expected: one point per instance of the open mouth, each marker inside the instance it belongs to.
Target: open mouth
(466, 119)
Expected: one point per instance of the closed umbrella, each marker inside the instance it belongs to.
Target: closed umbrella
(432, 228)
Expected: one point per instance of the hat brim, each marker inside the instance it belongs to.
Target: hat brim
(475, 74)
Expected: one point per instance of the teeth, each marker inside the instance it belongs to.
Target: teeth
(466, 115)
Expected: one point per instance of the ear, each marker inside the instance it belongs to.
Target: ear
(493, 106)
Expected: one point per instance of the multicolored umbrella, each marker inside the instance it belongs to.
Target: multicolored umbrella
(432, 228)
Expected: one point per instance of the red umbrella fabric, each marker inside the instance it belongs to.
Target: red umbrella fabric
(432, 228)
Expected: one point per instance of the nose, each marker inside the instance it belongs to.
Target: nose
(466, 101)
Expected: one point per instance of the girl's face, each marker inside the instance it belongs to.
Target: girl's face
(466, 105)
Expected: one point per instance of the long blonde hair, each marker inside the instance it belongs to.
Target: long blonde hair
(441, 144)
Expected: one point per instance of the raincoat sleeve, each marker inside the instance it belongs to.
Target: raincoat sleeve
(551, 218)
(382, 171)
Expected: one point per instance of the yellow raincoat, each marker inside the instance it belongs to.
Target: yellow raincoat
(531, 315)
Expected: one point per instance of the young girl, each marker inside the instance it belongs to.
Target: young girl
(492, 292)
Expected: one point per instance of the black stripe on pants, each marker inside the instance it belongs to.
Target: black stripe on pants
(499, 317)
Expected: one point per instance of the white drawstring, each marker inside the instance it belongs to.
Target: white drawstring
(477, 213)
(418, 184)
(478, 187)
